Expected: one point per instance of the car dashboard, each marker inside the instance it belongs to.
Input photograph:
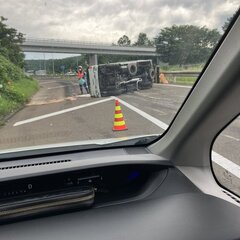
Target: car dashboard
(122, 193)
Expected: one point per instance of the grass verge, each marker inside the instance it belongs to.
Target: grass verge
(182, 80)
(15, 88)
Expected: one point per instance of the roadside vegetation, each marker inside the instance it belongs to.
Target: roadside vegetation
(15, 87)
(190, 67)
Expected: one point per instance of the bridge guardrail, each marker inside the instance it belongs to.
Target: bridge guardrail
(60, 46)
(87, 43)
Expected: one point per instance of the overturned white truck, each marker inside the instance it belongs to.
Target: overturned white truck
(117, 78)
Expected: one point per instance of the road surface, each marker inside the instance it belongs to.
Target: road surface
(58, 114)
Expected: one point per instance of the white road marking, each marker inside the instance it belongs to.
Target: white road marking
(217, 158)
(226, 164)
(83, 96)
(60, 112)
(143, 114)
(172, 85)
(228, 136)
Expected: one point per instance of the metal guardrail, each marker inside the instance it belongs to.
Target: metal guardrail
(174, 74)
(181, 73)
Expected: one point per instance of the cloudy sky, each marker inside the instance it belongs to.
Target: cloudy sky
(107, 20)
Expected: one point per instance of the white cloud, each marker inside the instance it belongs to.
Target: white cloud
(107, 20)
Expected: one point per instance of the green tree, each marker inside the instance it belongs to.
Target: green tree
(124, 41)
(226, 24)
(10, 39)
(143, 41)
(186, 44)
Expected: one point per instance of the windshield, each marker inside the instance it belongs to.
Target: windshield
(74, 71)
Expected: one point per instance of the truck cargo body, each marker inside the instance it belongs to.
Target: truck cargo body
(117, 78)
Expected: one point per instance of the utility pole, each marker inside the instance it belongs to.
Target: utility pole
(53, 67)
(44, 62)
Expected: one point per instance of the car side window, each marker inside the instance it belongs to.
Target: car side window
(226, 157)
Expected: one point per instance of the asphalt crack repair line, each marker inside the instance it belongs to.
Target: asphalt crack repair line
(233, 138)
(59, 87)
(172, 85)
(42, 83)
(68, 85)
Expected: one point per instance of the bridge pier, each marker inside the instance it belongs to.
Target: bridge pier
(93, 59)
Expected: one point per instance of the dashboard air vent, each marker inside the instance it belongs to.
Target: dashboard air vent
(34, 164)
(231, 196)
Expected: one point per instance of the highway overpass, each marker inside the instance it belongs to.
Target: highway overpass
(74, 47)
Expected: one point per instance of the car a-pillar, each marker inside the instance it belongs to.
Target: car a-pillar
(93, 59)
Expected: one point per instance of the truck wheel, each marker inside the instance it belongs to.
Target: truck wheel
(132, 68)
(151, 73)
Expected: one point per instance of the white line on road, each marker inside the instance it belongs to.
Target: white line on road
(83, 96)
(217, 158)
(228, 136)
(143, 114)
(60, 112)
(172, 85)
(226, 164)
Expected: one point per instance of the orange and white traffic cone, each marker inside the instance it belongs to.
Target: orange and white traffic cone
(119, 123)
